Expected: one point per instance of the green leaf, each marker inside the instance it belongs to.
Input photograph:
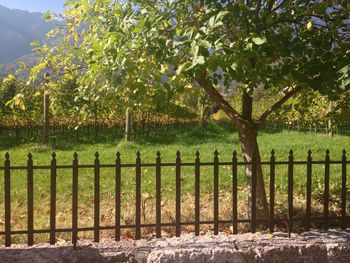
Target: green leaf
(200, 60)
(194, 50)
(221, 14)
(211, 22)
(204, 43)
(22, 64)
(35, 43)
(182, 67)
(9, 78)
(259, 40)
(48, 16)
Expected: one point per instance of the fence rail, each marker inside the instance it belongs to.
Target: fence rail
(253, 219)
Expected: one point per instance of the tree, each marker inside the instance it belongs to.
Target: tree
(280, 46)
(97, 48)
(140, 48)
(19, 103)
(308, 108)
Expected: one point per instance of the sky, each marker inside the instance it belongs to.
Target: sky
(34, 5)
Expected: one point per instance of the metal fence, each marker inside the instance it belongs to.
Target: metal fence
(253, 220)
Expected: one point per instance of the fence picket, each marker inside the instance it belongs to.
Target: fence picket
(178, 194)
(234, 193)
(53, 199)
(216, 193)
(138, 197)
(117, 196)
(97, 198)
(308, 190)
(75, 201)
(290, 192)
(7, 201)
(197, 195)
(253, 196)
(158, 196)
(272, 192)
(30, 202)
(326, 192)
(343, 192)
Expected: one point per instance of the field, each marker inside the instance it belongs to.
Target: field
(218, 136)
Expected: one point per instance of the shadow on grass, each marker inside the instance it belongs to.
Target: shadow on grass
(192, 134)
(189, 134)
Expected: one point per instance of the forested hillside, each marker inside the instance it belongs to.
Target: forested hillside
(18, 29)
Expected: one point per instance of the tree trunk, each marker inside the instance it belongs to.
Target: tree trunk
(46, 128)
(248, 133)
(250, 149)
(329, 124)
(203, 117)
(128, 125)
(95, 120)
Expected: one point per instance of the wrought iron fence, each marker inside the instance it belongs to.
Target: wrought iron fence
(253, 220)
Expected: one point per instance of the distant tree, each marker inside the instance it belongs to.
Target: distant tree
(19, 103)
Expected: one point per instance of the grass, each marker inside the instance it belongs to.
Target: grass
(187, 140)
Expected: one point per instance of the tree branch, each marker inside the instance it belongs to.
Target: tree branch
(258, 7)
(222, 103)
(279, 6)
(278, 104)
(270, 5)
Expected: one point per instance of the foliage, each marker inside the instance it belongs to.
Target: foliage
(19, 104)
(144, 54)
(306, 108)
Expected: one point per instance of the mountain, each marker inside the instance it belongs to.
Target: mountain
(18, 29)
(12, 67)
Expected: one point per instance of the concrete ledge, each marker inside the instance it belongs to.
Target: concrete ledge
(316, 246)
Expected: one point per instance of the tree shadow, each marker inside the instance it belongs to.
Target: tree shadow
(185, 134)
(193, 134)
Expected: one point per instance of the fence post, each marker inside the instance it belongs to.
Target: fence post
(197, 194)
(117, 196)
(290, 193)
(53, 199)
(75, 201)
(178, 194)
(138, 197)
(7, 201)
(272, 192)
(326, 192)
(308, 190)
(234, 193)
(128, 125)
(30, 202)
(216, 192)
(46, 124)
(97, 198)
(343, 191)
(158, 196)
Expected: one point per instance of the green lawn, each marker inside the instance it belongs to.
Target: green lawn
(187, 140)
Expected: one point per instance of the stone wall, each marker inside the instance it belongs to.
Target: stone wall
(315, 246)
